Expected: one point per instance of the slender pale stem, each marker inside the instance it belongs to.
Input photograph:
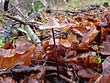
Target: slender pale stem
(55, 46)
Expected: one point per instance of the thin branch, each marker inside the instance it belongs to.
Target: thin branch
(16, 19)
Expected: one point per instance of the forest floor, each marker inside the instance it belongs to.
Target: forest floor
(63, 47)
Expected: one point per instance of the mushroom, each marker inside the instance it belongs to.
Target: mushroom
(52, 23)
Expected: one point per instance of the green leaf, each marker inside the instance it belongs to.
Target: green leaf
(37, 5)
(2, 20)
(1, 41)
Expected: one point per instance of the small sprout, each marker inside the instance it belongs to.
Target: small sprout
(101, 46)
(99, 59)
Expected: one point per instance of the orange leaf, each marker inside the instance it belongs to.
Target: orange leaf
(21, 55)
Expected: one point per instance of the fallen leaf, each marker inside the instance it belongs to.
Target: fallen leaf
(22, 54)
(89, 36)
(65, 43)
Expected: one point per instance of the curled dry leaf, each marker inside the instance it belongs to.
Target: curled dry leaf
(22, 54)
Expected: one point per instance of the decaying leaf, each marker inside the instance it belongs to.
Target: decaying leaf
(22, 54)
(89, 36)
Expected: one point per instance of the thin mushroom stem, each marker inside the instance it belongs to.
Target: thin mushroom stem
(55, 46)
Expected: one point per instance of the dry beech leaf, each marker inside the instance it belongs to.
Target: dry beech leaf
(89, 36)
(22, 54)
(91, 61)
(86, 73)
(65, 43)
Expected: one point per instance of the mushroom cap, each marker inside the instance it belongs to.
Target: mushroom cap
(52, 23)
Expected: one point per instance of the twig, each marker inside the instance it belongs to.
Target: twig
(26, 69)
(18, 11)
(21, 21)
(14, 18)
(16, 5)
(63, 77)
